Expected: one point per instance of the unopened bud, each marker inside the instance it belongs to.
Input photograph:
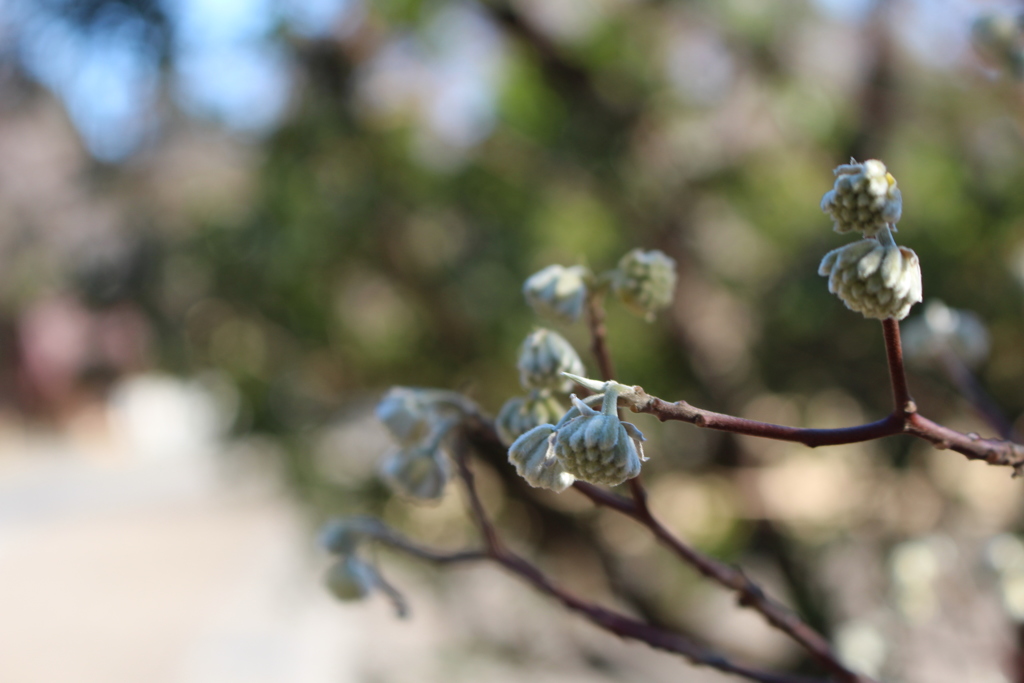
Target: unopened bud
(864, 198)
(557, 291)
(645, 281)
(350, 578)
(543, 357)
(597, 446)
(522, 413)
(419, 472)
(533, 456)
(876, 280)
(341, 536)
(405, 414)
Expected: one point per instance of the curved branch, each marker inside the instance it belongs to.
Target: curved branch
(749, 593)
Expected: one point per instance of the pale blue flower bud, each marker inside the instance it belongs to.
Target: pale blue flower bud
(521, 414)
(533, 456)
(419, 472)
(597, 446)
(557, 291)
(543, 357)
(341, 536)
(405, 414)
(645, 281)
(351, 578)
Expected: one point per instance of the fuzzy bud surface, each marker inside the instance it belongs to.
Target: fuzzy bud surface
(543, 357)
(598, 447)
(557, 292)
(645, 281)
(520, 414)
(533, 456)
(864, 198)
(874, 279)
(419, 472)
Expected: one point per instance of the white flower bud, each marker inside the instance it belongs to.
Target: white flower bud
(419, 472)
(941, 329)
(351, 578)
(597, 446)
(543, 357)
(645, 281)
(522, 413)
(876, 280)
(533, 456)
(405, 414)
(864, 198)
(557, 291)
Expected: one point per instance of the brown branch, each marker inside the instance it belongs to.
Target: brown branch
(903, 404)
(749, 593)
(681, 411)
(992, 451)
(599, 335)
(614, 622)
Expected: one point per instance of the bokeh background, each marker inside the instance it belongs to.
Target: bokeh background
(227, 226)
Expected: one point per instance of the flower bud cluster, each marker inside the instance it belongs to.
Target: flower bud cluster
(558, 292)
(876, 280)
(586, 444)
(543, 358)
(520, 414)
(349, 577)
(864, 198)
(874, 276)
(645, 281)
(419, 420)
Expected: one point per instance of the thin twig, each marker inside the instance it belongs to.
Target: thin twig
(903, 404)
(749, 593)
(599, 335)
(992, 451)
(614, 622)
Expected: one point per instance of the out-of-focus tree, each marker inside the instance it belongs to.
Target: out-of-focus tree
(317, 200)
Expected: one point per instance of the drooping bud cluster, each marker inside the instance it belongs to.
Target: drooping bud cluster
(420, 472)
(520, 414)
(534, 459)
(558, 292)
(864, 198)
(876, 280)
(543, 357)
(349, 577)
(587, 444)
(419, 420)
(645, 281)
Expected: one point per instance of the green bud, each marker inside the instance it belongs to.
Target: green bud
(645, 281)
